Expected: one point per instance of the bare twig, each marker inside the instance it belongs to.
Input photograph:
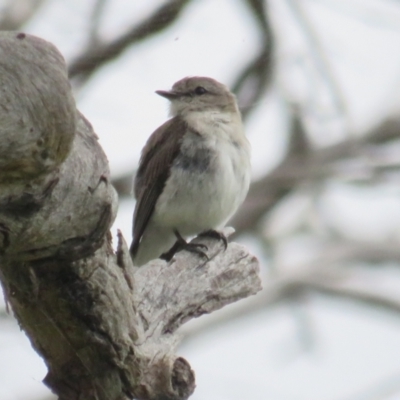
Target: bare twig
(320, 59)
(299, 145)
(90, 61)
(373, 300)
(265, 193)
(95, 19)
(253, 81)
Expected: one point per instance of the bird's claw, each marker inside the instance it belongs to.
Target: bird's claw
(182, 244)
(216, 235)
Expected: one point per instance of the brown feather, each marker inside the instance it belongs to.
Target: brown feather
(157, 157)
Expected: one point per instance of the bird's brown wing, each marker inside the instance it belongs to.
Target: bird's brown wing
(157, 156)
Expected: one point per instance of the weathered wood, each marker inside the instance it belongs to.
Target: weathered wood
(105, 329)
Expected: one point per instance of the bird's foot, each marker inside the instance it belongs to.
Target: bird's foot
(182, 244)
(212, 233)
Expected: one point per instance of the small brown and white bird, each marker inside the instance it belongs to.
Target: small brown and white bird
(194, 170)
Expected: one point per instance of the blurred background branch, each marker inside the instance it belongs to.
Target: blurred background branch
(253, 81)
(92, 58)
(318, 55)
(297, 167)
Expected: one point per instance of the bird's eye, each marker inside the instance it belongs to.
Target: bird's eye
(200, 90)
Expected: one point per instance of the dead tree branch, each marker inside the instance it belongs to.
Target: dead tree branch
(106, 330)
(329, 275)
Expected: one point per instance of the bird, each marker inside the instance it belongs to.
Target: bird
(194, 171)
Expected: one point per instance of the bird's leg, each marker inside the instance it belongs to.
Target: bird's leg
(212, 233)
(182, 244)
(167, 256)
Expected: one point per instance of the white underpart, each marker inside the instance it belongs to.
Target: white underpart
(192, 202)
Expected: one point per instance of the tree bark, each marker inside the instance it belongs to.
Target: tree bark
(105, 329)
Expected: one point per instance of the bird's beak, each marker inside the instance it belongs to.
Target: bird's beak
(170, 95)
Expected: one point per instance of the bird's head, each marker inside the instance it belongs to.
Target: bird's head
(198, 94)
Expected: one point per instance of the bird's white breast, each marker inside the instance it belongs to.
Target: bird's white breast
(210, 177)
